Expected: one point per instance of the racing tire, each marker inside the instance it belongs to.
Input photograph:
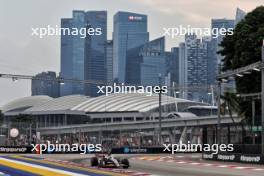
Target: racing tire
(125, 163)
(101, 163)
(94, 161)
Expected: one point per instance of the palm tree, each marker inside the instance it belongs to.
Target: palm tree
(231, 105)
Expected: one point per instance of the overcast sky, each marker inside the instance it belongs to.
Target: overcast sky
(21, 53)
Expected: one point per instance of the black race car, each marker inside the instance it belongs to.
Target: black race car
(108, 161)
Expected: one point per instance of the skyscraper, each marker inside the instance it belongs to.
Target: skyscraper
(109, 61)
(45, 84)
(153, 63)
(146, 62)
(83, 57)
(130, 31)
(95, 51)
(216, 40)
(212, 67)
(240, 15)
(182, 71)
(72, 54)
(193, 74)
(215, 44)
(174, 63)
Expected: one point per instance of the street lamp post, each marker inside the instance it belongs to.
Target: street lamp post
(160, 130)
(218, 131)
(253, 120)
(262, 101)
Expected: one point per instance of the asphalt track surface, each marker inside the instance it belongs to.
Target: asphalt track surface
(188, 165)
(141, 165)
(18, 165)
(192, 165)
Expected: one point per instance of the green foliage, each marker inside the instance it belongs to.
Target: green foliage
(231, 105)
(244, 48)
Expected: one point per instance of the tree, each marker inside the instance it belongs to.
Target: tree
(231, 104)
(244, 48)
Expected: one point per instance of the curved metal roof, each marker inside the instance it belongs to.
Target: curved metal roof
(128, 102)
(79, 104)
(25, 103)
(59, 104)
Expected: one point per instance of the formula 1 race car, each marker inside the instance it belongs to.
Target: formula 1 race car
(108, 161)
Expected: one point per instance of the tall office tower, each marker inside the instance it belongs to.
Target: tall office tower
(172, 70)
(212, 70)
(83, 56)
(173, 66)
(95, 51)
(130, 31)
(153, 63)
(196, 57)
(109, 61)
(72, 54)
(216, 41)
(182, 71)
(145, 62)
(240, 15)
(42, 84)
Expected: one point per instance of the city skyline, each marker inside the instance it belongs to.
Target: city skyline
(48, 59)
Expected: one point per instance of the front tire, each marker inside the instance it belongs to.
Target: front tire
(101, 163)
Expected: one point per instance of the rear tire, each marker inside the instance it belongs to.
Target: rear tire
(125, 163)
(94, 161)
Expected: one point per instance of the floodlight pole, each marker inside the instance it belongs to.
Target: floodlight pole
(253, 119)
(262, 101)
(160, 128)
(218, 130)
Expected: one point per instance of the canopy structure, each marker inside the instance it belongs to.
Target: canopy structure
(79, 104)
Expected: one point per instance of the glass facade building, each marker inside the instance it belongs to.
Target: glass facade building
(193, 68)
(153, 62)
(95, 51)
(109, 61)
(72, 54)
(216, 40)
(144, 63)
(83, 57)
(182, 71)
(240, 15)
(130, 31)
(42, 84)
(220, 23)
(173, 65)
